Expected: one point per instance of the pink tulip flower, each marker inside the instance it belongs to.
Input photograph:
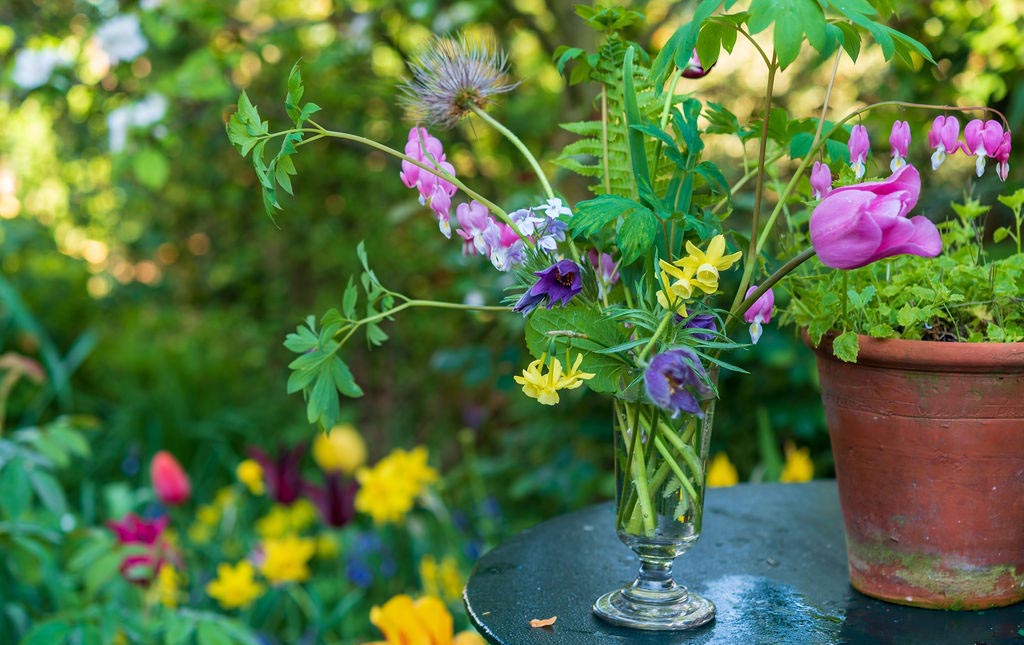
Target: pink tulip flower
(170, 482)
(859, 145)
(759, 313)
(899, 141)
(862, 223)
(944, 137)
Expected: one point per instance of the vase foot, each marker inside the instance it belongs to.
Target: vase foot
(685, 612)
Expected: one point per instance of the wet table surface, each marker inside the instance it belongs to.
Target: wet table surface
(771, 557)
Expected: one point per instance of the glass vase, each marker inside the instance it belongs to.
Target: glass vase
(660, 463)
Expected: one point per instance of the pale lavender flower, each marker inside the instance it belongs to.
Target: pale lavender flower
(553, 208)
(676, 381)
(504, 246)
(899, 141)
(450, 76)
(553, 233)
(525, 221)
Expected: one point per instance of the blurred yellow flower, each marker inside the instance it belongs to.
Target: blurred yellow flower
(168, 585)
(286, 559)
(200, 533)
(235, 587)
(208, 514)
(327, 546)
(250, 473)
(342, 450)
(283, 520)
(426, 621)
(225, 498)
(388, 490)
(798, 466)
(441, 579)
(721, 472)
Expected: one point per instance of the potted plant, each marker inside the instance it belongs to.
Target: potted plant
(921, 365)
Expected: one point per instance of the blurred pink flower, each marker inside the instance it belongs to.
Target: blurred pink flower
(170, 482)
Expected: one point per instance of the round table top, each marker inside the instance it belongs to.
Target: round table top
(772, 558)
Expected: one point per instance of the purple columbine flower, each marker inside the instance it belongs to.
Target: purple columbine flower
(559, 282)
(676, 381)
(821, 180)
(944, 137)
(982, 139)
(899, 141)
(859, 145)
(759, 313)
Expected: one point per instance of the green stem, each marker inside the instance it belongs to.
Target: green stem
(737, 312)
(684, 481)
(409, 304)
(750, 261)
(604, 140)
(657, 334)
(685, 450)
(518, 143)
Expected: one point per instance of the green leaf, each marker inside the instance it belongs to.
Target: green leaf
(212, 633)
(846, 347)
(46, 634)
(601, 331)
(793, 19)
(49, 491)
(637, 149)
(637, 234)
(343, 379)
(301, 341)
(15, 490)
(593, 214)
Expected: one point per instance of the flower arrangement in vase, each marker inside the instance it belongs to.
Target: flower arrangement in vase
(620, 292)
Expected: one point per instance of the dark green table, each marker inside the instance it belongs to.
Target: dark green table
(771, 558)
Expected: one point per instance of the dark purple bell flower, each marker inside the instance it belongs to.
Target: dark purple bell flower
(336, 499)
(701, 321)
(283, 473)
(559, 282)
(676, 381)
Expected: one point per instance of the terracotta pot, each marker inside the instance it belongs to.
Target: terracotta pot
(928, 439)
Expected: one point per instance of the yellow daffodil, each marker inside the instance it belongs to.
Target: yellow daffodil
(544, 386)
(286, 559)
(425, 621)
(388, 490)
(235, 586)
(721, 472)
(441, 579)
(798, 466)
(342, 450)
(250, 473)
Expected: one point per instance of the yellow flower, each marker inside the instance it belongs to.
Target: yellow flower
(387, 491)
(286, 559)
(208, 514)
(441, 579)
(721, 472)
(327, 547)
(342, 450)
(544, 386)
(283, 520)
(225, 498)
(704, 266)
(235, 587)
(426, 621)
(798, 466)
(168, 585)
(677, 288)
(200, 533)
(250, 473)
(302, 515)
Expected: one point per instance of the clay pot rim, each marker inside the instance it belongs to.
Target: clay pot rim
(928, 355)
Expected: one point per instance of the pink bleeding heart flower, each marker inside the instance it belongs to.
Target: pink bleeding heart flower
(759, 313)
(859, 145)
(862, 223)
(434, 191)
(982, 139)
(899, 141)
(694, 68)
(821, 180)
(944, 138)
(1002, 157)
(473, 221)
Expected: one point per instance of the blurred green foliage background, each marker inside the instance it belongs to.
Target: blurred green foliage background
(137, 260)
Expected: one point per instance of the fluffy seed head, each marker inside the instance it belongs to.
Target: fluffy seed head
(449, 76)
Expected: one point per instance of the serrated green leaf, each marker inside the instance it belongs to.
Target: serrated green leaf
(845, 346)
(636, 235)
(908, 315)
(593, 214)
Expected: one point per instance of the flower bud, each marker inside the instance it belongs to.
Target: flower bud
(170, 482)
